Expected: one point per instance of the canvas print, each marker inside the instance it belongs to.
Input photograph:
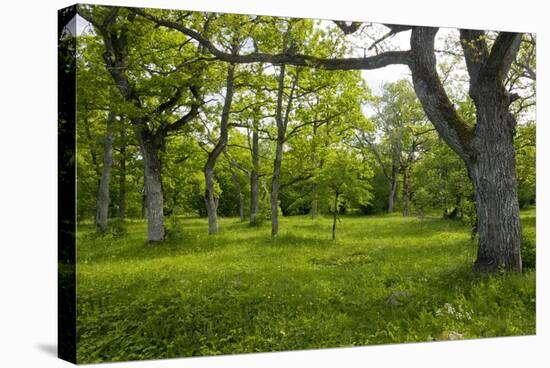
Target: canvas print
(234, 183)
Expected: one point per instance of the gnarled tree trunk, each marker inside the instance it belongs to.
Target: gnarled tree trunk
(493, 174)
(487, 149)
(103, 191)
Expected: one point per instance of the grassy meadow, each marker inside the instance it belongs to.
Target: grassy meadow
(386, 279)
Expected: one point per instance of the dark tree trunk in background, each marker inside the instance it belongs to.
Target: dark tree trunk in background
(103, 192)
(392, 192)
(406, 192)
(154, 199)
(122, 176)
(255, 177)
(210, 196)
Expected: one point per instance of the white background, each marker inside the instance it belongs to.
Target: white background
(28, 174)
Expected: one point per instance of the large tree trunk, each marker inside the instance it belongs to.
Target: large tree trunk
(154, 199)
(406, 192)
(255, 178)
(493, 174)
(103, 192)
(122, 176)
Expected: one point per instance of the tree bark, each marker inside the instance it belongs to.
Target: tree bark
(493, 175)
(154, 199)
(255, 177)
(122, 176)
(103, 191)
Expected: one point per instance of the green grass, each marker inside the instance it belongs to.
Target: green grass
(386, 279)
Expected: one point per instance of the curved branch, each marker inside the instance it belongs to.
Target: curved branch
(365, 63)
(429, 90)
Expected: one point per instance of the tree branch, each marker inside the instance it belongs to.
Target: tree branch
(371, 62)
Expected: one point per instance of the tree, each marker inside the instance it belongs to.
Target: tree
(393, 144)
(343, 179)
(151, 124)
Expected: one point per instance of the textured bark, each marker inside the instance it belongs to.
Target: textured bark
(493, 174)
(255, 177)
(154, 199)
(103, 200)
(210, 196)
(122, 176)
(495, 187)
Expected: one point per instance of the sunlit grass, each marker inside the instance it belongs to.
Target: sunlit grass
(386, 279)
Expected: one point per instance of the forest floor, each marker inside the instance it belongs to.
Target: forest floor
(386, 279)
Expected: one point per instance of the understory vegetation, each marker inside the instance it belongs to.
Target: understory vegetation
(386, 279)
